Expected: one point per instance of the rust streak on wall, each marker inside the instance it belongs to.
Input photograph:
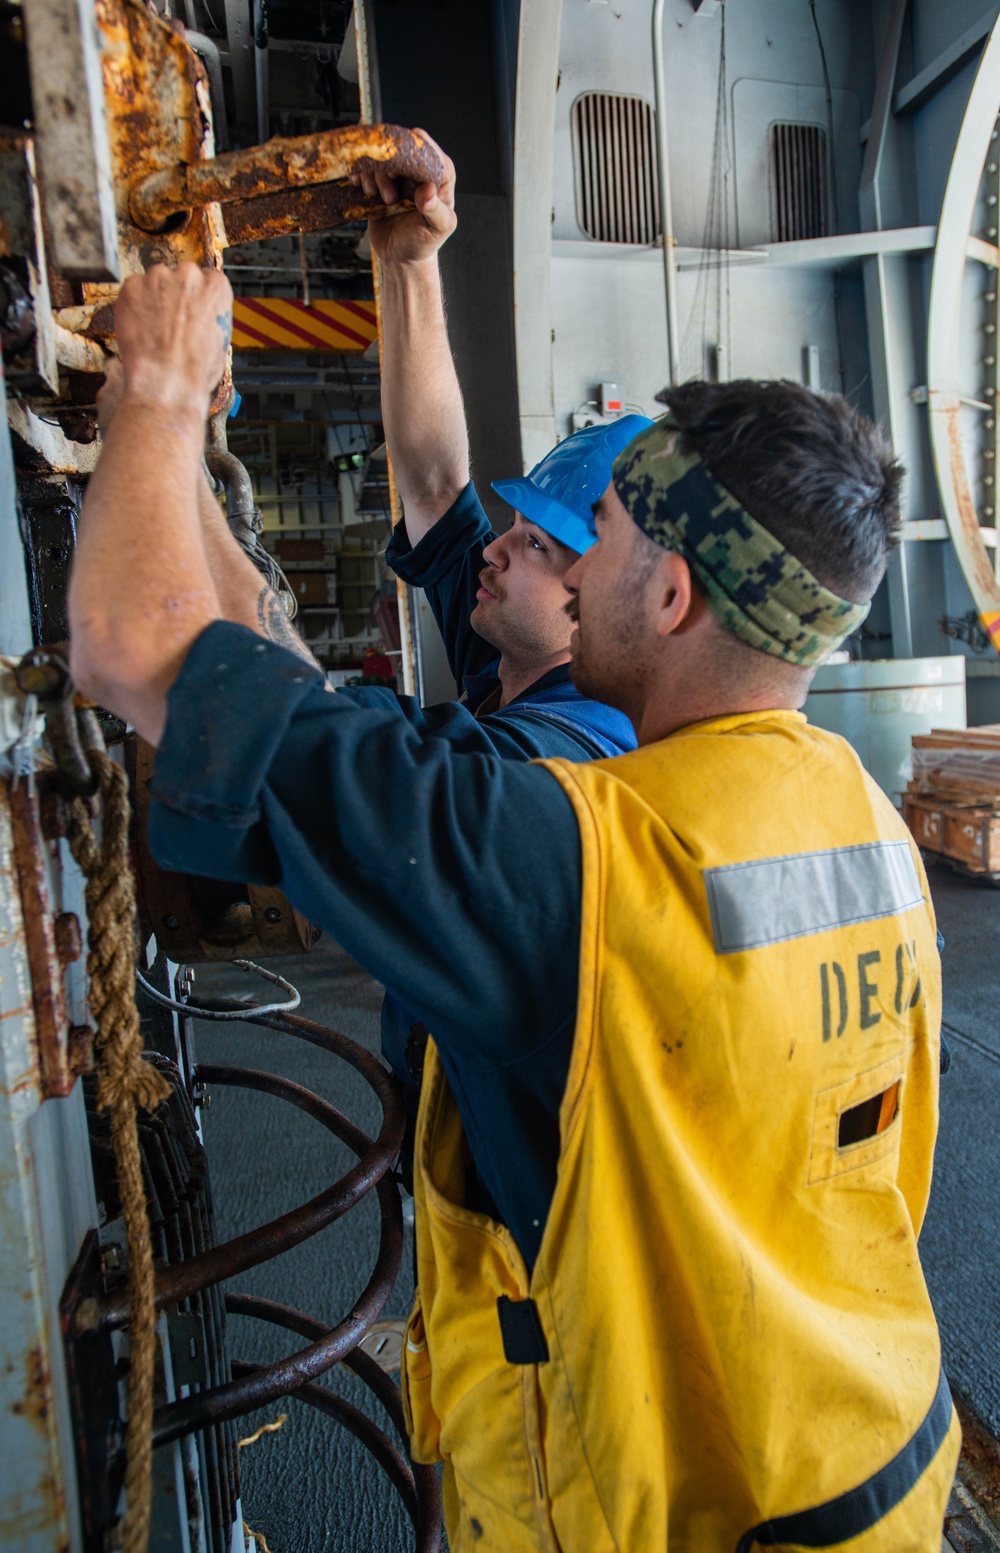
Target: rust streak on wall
(43, 963)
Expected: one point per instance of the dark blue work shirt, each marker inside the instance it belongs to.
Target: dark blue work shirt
(446, 871)
(550, 719)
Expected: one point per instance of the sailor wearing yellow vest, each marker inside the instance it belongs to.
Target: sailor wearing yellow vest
(726, 1340)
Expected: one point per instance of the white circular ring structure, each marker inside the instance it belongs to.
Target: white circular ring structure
(955, 246)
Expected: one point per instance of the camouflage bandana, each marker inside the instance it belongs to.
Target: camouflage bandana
(752, 584)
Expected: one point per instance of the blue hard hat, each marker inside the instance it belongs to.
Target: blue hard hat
(560, 491)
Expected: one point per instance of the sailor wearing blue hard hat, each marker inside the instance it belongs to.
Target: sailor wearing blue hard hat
(560, 492)
(498, 598)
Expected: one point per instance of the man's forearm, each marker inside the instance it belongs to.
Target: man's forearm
(141, 589)
(422, 407)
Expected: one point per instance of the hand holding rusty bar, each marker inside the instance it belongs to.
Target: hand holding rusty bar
(281, 164)
(420, 232)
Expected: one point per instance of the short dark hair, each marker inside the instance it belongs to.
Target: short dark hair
(821, 477)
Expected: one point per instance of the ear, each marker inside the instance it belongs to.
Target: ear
(677, 594)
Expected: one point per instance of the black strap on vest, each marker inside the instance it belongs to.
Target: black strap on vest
(521, 1330)
(862, 1508)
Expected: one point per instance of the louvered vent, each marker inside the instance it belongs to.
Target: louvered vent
(617, 200)
(799, 182)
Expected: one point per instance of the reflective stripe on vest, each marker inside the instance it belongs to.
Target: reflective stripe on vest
(862, 1508)
(774, 899)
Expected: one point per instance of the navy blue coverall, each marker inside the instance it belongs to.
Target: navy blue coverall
(551, 718)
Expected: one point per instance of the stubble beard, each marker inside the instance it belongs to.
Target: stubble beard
(612, 675)
(512, 636)
(580, 672)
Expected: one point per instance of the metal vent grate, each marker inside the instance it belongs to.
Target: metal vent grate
(799, 182)
(617, 200)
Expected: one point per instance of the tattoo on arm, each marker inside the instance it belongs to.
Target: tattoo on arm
(225, 323)
(276, 626)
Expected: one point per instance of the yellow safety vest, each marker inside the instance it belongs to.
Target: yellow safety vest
(726, 1340)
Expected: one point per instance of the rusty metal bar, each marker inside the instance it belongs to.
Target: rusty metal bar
(185, 1279)
(280, 164)
(428, 1526)
(303, 210)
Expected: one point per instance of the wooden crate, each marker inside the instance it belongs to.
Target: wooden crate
(312, 588)
(289, 551)
(972, 837)
(925, 818)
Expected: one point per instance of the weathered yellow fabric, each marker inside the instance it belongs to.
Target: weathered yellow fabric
(736, 1318)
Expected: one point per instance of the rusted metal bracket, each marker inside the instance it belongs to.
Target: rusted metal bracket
(70, 730)
(281, 165)
(53, 938)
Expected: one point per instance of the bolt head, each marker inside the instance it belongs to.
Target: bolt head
(69, 939)
(171, 922)
(54, 816)
(80, 1049)
(272, 914)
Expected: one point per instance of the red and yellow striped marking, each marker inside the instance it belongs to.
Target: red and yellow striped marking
(991, 621)
(284, 323)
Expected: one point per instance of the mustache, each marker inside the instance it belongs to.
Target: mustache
(572, 609)
(487, 580)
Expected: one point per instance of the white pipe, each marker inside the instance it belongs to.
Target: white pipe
(663, 181)
(207, 49)
(78, 353)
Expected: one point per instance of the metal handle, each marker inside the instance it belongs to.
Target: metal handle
(279, 165)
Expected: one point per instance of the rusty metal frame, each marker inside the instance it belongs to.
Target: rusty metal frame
(290, 1229)
(955, 246)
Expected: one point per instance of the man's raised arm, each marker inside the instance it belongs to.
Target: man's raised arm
(422, 408)
(141, 591)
